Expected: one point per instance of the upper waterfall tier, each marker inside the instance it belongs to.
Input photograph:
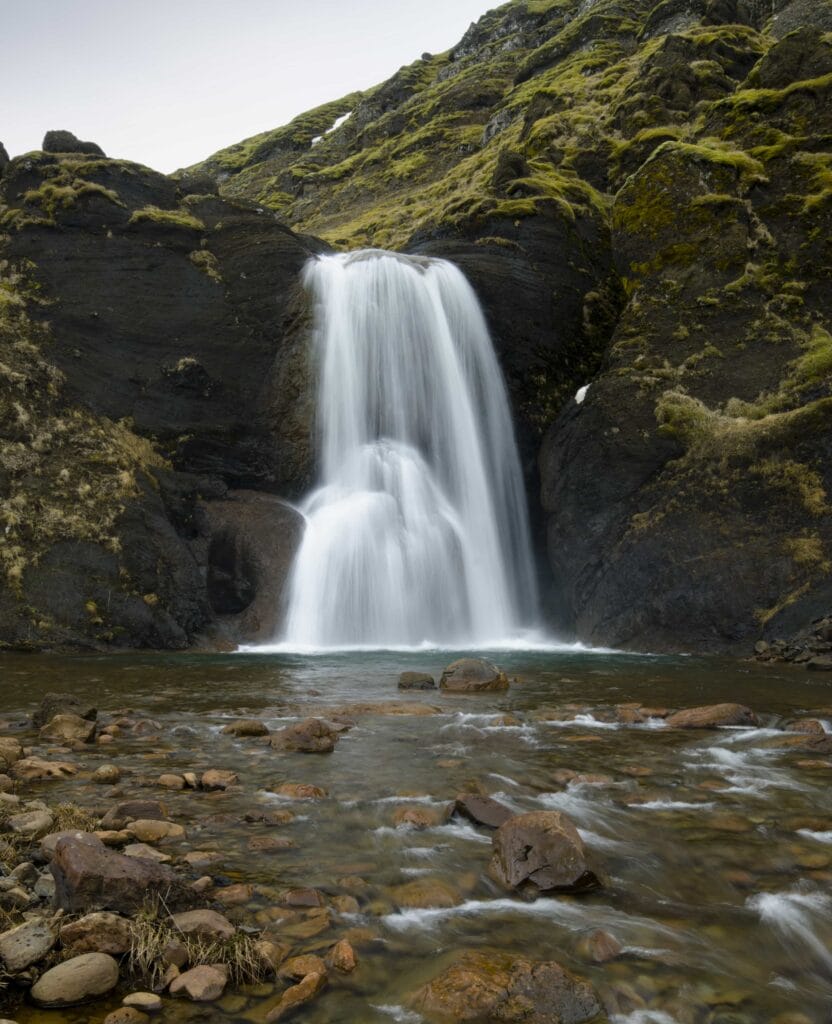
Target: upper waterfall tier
(418, 532)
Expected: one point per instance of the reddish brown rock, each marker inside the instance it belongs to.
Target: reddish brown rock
(296, 996)
(303, 898)
(90, 877)
(37, 768)
(311, 736)
(301, 791)
(215, 778)
(342, 957)
(246, 727)
(485, 986)
(711, 716)
(417, 816)
(207, 923)
(298, 967)
(425, 892)
(542, 848)
(100, 932)
(810, 726)
(472, 675)
(202, 984)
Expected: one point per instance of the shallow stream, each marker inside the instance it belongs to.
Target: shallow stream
(716, 844)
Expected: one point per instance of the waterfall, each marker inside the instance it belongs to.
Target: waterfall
(418, 532)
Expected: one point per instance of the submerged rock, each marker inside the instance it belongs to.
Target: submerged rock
(472, 675)
(68, 728)
(712, 716)
(416, 681)
(311, 736)
(482, 810)
(296, 996)
(491, 986)
(542, 848)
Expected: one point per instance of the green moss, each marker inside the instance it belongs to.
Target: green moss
(746, 100)
(68, 473)
(169, 218)
(64, 192)
(206, 261)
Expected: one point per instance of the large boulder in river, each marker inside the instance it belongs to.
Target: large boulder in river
(492, 986)
(712, 716)
(311, 736)
(62, 704)
(542, 848)
(472, 675)
(90, 877)
(68, 729)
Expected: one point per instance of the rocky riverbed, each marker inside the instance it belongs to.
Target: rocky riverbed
(576, 837)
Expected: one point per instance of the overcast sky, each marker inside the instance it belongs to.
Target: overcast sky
(168, 82)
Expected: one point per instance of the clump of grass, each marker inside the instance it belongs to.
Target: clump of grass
(152, 932)
(168, 218)
(69, 817)
(206, 261)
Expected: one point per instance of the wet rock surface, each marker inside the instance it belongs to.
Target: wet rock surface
(544, 848)
(491, 986)
(472, 675)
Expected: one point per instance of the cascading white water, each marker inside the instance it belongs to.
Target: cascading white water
(418, 532)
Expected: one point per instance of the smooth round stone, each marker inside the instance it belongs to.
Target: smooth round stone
(73, 981)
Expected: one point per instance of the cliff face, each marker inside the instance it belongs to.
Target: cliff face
(640, 193)
(144, 325)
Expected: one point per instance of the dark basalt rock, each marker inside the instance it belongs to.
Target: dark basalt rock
(4, 157)
(66, 142)
(183, 319)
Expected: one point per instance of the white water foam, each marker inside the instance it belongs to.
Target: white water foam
(575, 916)
(820, 837)
(796, 916)
(399, 1014)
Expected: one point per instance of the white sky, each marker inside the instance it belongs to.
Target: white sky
(168, 82)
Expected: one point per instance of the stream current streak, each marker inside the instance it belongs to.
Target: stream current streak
(418, 532)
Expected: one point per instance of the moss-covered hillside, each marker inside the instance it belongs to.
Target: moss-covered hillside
(542, 101)
(662, 171)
